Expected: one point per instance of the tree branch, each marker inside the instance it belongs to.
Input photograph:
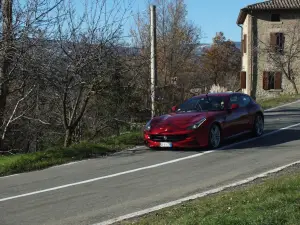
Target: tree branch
(11, 118)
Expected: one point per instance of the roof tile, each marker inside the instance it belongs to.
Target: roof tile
(275, 4)
(269, 5)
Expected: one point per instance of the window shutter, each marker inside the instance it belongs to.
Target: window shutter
(245, 43)
(243, 46)
(243, 79)
(273, 41)
(283, 42)
(266, 80)
(278, 80)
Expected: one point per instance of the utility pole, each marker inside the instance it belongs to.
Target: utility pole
(153, 57)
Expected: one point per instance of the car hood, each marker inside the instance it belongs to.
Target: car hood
(176, 121)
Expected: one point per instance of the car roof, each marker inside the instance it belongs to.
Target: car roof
(219, 94)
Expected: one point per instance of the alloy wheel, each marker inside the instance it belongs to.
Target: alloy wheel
(215, 136)
(259, 125)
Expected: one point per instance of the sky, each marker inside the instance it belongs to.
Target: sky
(211, 16)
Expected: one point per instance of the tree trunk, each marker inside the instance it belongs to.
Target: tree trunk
(2, 145)
(295, 87)
(68, 137)
(3, 97)
(5, 61)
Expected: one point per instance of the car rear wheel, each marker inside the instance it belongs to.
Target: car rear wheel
(214, 136)
(258, 128)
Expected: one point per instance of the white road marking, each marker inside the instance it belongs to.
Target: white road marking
(136, 148)
(104, 177)
(256, 138)
(192, 197)
(66, 164)
(143, 168)
(277, 107)
(10, 175)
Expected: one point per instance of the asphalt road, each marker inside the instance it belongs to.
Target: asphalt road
(105, 197)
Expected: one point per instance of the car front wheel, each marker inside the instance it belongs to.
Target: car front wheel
(214, 136)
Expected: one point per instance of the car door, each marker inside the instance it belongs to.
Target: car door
(231, 122)
(245, 118)
(245, 107)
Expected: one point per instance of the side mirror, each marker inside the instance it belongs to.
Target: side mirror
(174, 108)
(234, 106)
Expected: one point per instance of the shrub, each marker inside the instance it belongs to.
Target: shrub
(217, 89)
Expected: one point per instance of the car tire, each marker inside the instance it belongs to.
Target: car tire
(258, 126)
(214, 136)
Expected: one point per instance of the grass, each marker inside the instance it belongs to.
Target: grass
(274, 202)
(273, 102)
(57, 155)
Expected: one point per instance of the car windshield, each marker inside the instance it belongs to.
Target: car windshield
(209, 103)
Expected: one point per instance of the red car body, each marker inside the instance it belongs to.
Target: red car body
(237, 116)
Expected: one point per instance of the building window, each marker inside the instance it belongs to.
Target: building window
(243, 79)
(272, 80)
(277, 42)
(275, 17)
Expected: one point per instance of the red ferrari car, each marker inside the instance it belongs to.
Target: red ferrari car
(205, 120)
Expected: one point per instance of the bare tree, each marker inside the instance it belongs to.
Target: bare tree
(13, 117)
(23, 24)
(81, 70)
(221, 62)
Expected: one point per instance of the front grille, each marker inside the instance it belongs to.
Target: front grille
(168, 138)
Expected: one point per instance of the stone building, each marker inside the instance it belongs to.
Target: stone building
(271, 48)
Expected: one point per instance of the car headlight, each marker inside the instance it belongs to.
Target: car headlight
(148, 126)
(196, 125)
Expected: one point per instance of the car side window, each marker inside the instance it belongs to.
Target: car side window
(244, 100)
(233, 100)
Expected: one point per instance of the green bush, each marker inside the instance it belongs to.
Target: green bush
(130, 138)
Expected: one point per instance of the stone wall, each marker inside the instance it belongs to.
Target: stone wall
(262, 27)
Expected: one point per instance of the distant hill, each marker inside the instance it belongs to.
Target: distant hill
(203, 46)
(238, 45)
(131, 51)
